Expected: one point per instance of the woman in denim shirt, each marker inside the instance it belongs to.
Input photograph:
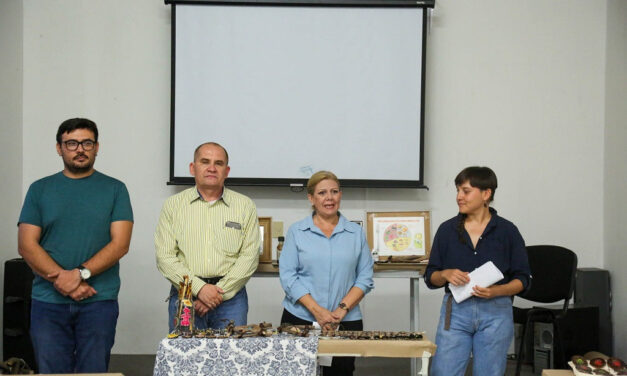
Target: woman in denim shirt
(326, 267)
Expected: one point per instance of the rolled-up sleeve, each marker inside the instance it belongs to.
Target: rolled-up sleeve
(435, 260)
(519, 262)
(364, 270)
(289, 266)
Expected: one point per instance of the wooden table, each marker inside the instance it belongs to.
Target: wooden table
(557, 372)
(276, 354)
(380, 348)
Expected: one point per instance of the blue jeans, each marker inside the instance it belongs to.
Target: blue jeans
(73, 338)
(235, 309)
(484, 327)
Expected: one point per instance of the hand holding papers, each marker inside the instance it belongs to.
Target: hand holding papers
(484, 276)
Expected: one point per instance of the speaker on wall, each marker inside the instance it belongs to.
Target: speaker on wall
(592, 289)
(18, 282)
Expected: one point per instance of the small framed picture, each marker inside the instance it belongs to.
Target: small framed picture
(399, 233)
(265, 247)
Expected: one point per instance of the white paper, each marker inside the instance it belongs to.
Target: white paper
(484, 276)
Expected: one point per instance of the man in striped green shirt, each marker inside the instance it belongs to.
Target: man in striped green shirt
(211, 234)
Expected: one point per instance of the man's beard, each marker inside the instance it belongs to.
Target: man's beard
(79, 169)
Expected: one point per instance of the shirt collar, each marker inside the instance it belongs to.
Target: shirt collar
(194, 195)
(493, 220)
(342, 225)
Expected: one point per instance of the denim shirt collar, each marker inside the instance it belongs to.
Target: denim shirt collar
(343, 224)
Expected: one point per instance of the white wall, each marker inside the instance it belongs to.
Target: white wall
(615, 170)
(108, 61)
(509, 84)
(10, 129)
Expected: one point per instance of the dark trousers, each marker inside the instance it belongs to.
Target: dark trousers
(341, 366)
(73, 337)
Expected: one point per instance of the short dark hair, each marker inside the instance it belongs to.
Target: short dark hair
(226, 153)
(74, 124)
(478, 177)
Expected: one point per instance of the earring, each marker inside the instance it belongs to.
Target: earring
(485, 204)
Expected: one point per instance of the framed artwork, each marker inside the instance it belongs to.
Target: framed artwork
(394, 234)
(265, 247)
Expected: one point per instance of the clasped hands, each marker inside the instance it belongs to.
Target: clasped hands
(329, 320)
(208, 298)
(69, 283)
(457, 277)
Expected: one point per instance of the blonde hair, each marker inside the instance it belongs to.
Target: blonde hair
(318, 177)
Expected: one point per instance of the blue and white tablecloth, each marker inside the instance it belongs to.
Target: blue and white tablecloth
(277, 355)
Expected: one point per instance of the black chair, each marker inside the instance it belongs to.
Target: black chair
(18, 281)
(553, 271)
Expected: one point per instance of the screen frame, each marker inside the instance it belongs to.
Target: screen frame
(298, 182)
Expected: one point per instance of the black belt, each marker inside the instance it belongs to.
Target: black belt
(212, 280)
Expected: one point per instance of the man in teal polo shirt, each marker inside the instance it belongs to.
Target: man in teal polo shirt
(74, 227)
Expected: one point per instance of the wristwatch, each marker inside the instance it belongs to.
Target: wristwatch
(85, 273)
(343, 306)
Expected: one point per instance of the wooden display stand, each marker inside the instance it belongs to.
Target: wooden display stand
(379, 348)
(557, 372)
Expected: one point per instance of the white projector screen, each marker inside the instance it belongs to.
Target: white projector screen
(290, 90)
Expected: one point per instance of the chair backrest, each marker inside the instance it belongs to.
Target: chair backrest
(553, 270)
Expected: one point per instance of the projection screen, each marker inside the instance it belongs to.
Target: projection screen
(290, 90)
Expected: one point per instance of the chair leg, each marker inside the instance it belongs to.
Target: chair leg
(560, 343)
(521, 348)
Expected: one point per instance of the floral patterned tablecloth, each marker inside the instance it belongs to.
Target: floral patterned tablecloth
(276, 355)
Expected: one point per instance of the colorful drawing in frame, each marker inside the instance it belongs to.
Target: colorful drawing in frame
(399, 233)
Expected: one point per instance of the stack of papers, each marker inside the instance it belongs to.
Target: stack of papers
(484, 276)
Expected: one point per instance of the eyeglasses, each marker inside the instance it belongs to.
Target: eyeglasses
(73, 144)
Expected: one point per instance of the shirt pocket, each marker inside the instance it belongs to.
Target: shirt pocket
(230, 241)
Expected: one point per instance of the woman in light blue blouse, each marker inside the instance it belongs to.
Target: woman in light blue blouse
(326, 266)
